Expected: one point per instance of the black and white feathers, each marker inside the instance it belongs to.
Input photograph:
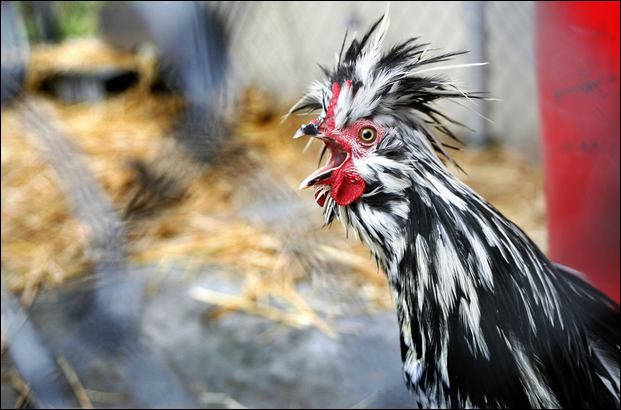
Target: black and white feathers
(486, 319)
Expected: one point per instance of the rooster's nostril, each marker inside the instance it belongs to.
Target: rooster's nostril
(310, 129)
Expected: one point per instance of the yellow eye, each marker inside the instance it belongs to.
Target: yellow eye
(367, 134)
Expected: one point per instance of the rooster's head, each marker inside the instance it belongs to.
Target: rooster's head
(375, 115)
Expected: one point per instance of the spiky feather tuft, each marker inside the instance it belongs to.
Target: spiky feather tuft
(390, 82)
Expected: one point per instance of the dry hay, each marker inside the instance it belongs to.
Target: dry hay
(44, 245)
(84, 55)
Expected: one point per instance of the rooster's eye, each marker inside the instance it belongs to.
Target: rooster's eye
(367, 134)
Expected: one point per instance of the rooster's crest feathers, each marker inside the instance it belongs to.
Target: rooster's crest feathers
(373, 82)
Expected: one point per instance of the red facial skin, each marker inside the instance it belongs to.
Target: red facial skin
(345, 182)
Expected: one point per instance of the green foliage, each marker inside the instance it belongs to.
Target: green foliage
(73, 18)
(77, 18)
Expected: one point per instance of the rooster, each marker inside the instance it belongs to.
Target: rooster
(486, 319)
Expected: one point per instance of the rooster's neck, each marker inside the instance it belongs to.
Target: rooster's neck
(451, 260)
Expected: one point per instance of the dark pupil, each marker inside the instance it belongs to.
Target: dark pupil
(367, 134)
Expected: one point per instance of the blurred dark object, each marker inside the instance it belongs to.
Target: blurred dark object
(89, 86)
(191, 43)
(201, 131)
(102, 318)
(578, 70)
(154, 191)
(86, 69)
(14, 52)
(44, 19)
(32, 358)
(122, 26)
(190, 38)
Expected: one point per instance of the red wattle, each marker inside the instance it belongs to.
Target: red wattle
(347, 186)
(320, 198)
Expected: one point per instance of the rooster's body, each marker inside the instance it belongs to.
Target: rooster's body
(486, 320)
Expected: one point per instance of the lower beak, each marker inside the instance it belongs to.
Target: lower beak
(338, 156)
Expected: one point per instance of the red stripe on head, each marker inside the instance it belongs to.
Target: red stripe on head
(336, 91)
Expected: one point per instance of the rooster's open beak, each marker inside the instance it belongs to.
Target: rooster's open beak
(338, 156)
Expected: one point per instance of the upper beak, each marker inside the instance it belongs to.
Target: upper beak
(309, 130)
(299, 133)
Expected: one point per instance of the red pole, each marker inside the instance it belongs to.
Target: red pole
(578, 75)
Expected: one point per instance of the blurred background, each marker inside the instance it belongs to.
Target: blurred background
(155, 249)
